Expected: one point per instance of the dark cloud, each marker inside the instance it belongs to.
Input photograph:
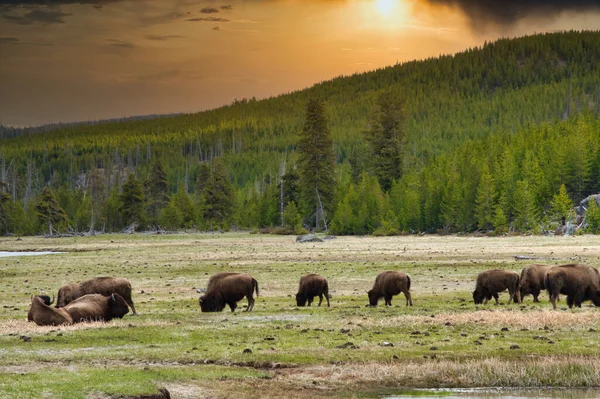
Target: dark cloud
(216, 28)
(227, 7)
(506, 12)
(209, 10)
(39, 16)
(17, 41)
(162, 38)
(207, 19)
(121, 44)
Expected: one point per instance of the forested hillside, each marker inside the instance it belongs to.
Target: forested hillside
(485, 140)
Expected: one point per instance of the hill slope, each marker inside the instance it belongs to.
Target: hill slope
(476, 96)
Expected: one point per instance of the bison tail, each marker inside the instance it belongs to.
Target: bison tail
(547, 284)
(408, 284)
(255, 284)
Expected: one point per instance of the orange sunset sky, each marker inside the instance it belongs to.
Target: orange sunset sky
(85, 60)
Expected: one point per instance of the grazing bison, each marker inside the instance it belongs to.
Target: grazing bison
(578, 282)
(97, 307)
(42, 314)
(491, 282)
(228, 290)
(532, 281)
(312, 285)
(387, 284)
(99, 285)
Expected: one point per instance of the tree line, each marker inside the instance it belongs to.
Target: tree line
(455, 143)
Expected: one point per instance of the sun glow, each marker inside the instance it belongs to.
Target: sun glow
(386, 7)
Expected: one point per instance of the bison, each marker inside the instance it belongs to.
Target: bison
(228, 290)
(491, 282)
(312, 285)
(387, 284)
(97, 307)
(532, 281)
(578, 282)
(99, 285)
(42, 314)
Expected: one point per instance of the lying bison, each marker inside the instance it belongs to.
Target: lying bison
(312, 285)
(387, 284)
(42, 314)
(532, 281)
(228, 290)
(97, 307)
(578, 282)
(491, 282)
(99, 285)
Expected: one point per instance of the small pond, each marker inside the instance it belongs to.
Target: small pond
(6, 254)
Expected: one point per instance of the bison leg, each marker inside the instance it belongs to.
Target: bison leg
(320, 299)
(250, 304)
(408, 298)
(535, 294)
(578, 298)
(495, 295)
(310, 300)
(327, 297)
(553, 300)
(388, 300)
(232, 306)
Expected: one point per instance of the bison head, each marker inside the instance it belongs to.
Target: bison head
(46, 299)
(595, 297)
(117, 307)
(301, 299)
(478, 297)
(66, 295)
(373, 297)
(211, 303)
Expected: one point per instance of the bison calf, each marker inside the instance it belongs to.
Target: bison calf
(312, 285)
(387, 284)
(42, 314)
(228, 289)
(99, 285)
(532, 281)
(491, 282)
(578, 282)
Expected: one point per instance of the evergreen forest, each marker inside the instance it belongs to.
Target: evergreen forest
(502, 138)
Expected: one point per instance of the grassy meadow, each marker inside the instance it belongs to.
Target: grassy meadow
(280, 350)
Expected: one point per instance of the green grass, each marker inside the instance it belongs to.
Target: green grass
(443, 340)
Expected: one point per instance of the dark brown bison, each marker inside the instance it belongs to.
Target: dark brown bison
(532, 281)
(42, 314)
(228, 290)
(312, 285)
(97, 307)
(491, 282)
(99, 285)
(578, 282)
(387, 284)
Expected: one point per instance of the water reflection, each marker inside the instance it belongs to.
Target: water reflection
(6, 254)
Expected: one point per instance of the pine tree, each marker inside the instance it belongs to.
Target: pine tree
(49, 210)
(316, 164)
(561, 205)
(524, 209)
(6, 220)
(131, 203)
(592, 217)
(484, 208)
(219, 197)
(386, 138)
(157, 190)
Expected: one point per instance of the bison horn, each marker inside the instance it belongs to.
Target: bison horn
(52, 301)
(112, 297)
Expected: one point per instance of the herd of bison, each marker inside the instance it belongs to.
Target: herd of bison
(106, 298)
